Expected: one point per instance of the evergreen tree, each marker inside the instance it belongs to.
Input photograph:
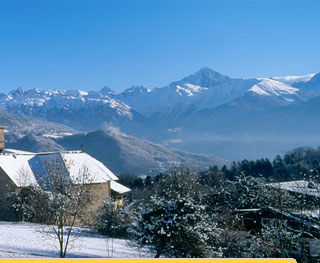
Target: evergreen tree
(177, 228)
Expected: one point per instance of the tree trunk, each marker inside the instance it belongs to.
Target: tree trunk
(61, 250)
(158, 254)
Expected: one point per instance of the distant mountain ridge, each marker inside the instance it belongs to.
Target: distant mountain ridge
(204, 89)
(122, 153)
(74, 108)
(201, 113)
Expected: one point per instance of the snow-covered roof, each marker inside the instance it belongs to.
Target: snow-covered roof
(15, 151)
(300, 186)
(26, 168)
(296, 218)
(18, 169)
(77, 161)
(119, 188)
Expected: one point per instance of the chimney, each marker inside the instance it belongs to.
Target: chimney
(1, 138)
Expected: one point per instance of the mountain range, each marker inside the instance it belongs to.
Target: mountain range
(204, 113)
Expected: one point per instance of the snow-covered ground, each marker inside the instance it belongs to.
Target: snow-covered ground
(26, 240)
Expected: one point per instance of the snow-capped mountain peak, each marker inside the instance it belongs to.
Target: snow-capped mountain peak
(294, 79)
(280, 91)
(270, 87)
(205, 77)
(107, 91)
(204, 89)
(209, 73)
(16, 93)
(137, 89)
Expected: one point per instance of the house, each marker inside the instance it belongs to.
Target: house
(252, 221)
(303, 190)
(302, 221)
(21, 169)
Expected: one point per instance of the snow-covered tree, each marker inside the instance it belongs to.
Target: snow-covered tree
(60, 203)
(114, 220)
(180, 182)
(177, 228)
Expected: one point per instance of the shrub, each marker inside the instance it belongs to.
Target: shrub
(114, 220)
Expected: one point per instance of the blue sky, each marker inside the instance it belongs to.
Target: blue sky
(87, 44)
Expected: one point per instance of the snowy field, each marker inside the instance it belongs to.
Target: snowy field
(25, 240)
